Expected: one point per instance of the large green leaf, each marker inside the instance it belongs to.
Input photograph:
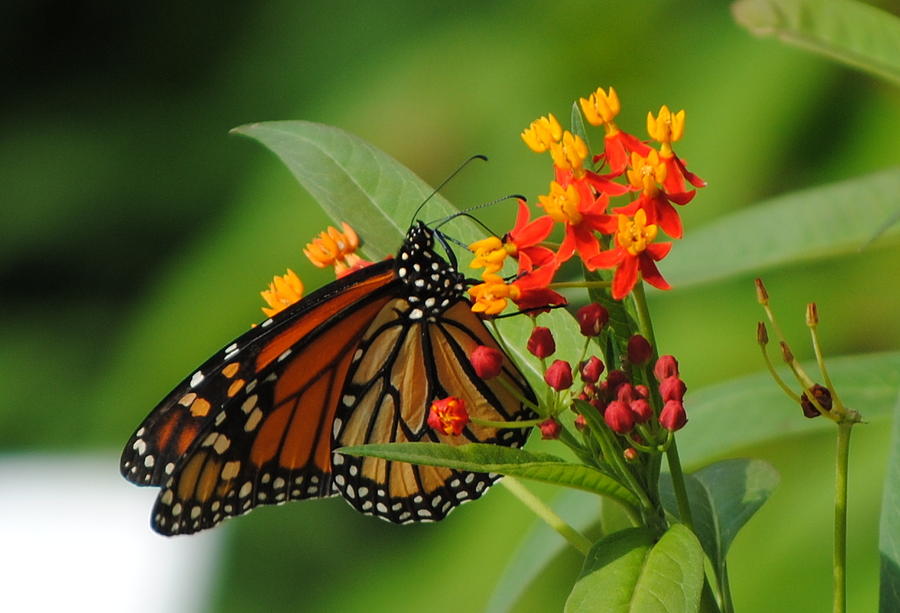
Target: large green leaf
(723, 497)
(753, 409)
(889, 530)
(355, 181)
(856, 34)
(627, 573)
(821, 222)
(487, 458)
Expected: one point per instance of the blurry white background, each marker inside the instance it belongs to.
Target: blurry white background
(75, 536)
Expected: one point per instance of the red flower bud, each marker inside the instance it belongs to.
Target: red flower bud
(630, 454)
(541, 343)
(448, 415)
(642, 391)
(619, 417)
(672, 388)
(639, 350)
(589, 390)
(641, 409)
(673, 417)
(549, 429)
(592, 369)
(666, 366)
(625, 393)
(580, 423)
(592, 318)
(487, 361)
(614, 379)
(559, 375)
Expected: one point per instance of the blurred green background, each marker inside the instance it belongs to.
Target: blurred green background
(137, 234)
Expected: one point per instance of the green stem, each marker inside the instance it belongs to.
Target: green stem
(582, 284)
(645, 325)
(725, 589)
(526, 423)
(684, 507)
(784, 386)
(573, 536)
(840, 517)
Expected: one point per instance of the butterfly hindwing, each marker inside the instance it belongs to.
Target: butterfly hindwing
(400, 368)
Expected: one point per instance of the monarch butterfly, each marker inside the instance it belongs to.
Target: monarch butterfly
(358, 361)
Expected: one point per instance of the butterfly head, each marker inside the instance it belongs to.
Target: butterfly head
(432, 283)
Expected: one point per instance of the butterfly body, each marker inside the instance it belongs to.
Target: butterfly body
(358, 361)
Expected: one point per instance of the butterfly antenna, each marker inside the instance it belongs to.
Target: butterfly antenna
(444, 182)
(466, 213)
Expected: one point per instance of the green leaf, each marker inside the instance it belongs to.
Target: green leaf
(577, 122)
(540, 546)
(723, 497)
(566, 333)
(856, 34)
(889, 529)
(725, 417)
(627, 572)
(485, 458)
(817, 223)
(355, 181)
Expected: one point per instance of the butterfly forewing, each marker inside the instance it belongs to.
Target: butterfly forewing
(265, 435)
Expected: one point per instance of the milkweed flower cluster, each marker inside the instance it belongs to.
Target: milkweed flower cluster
(578, 201)
(616, 212)
(333, 247)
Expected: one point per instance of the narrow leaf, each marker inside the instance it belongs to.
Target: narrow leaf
(805, 225)
(354, 181)
(577, 122)
(889, 529)
(856, 34)
(723, 497)
(749, 410)
(487, 458)
(627, 573)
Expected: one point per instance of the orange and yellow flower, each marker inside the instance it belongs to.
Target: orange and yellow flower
(283, 291)
(542, 133)
(448, 416)
(635, 254)
(666, 128)
(601, 108)
(647, 174)
(522, 243)
(336, 248)
(575, 206)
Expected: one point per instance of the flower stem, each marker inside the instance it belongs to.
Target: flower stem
(839, 559)
(684, 507)
(645, 325)
(583, 284)
(573, 536)
(525, 423)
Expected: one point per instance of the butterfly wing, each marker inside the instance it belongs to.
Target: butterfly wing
(399, 369)
(251, 426)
